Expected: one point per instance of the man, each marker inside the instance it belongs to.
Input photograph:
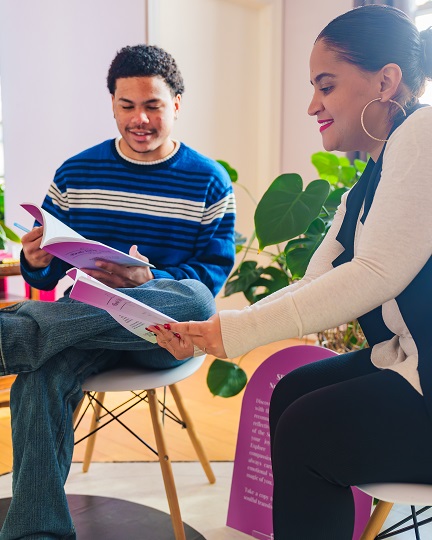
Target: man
(176, 208)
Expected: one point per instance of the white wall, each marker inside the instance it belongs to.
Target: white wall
(229, 52)
(54, 58)
(303, 21)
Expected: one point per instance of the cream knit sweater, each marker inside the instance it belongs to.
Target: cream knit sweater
(390, 249)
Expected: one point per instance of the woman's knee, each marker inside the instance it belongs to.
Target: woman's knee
(291, 387)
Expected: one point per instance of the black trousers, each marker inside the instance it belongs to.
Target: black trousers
(337, 423)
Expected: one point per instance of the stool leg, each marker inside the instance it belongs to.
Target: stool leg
(166, 468)
(376, 520)
(199, 449)
(100, 396)
(416, 526)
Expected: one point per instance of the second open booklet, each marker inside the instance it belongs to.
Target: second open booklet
(130, 313)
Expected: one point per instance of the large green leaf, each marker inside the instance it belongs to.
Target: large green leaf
(233, 174)
(360, 165)
(10, 235)
(240, 280)
(271, 280)
(337, 169)
(225, 379)
(344, 161)
(240, 240)
(1, 202)
(299, 251)
(348, 175)
(3, 238)
(285, 210)
(334, 199)
(327, 165)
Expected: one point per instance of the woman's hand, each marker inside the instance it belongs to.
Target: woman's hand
(179, 338)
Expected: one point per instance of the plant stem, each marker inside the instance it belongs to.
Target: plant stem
(249, 246)
(247, 191)
(241, 358)
(255, 250)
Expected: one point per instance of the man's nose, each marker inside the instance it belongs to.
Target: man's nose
(142, 117)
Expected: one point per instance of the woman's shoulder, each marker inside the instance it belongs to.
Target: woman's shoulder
(415, 131)
(418, 120)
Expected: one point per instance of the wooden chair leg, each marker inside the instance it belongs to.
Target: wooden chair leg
(166, 468)
(199, 449)
(92, 439)
(376, 520)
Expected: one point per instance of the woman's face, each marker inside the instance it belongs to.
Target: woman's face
(341, 90)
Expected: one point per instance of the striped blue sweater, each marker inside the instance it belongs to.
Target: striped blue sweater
(179, 212)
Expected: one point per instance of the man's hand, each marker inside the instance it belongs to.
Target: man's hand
(34, 255)
(179, 338)
(119, 276)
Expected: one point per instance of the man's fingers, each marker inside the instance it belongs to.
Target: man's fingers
(133, 252)
(32, 235)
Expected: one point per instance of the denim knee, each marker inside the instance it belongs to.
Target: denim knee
(201, 303)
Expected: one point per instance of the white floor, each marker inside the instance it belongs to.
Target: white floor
(203, 506)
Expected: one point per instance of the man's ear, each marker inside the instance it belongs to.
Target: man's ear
(390, 80)
(177, 103)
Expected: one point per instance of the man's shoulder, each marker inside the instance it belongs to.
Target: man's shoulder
(203, 164)
(100, 152)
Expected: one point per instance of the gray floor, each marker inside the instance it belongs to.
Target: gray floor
(203, 506)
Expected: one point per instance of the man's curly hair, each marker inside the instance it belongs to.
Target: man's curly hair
(145, 61)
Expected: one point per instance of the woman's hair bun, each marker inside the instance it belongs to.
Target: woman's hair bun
(426, 42)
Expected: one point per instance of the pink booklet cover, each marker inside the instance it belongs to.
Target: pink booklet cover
(130, 313)
(68, 245)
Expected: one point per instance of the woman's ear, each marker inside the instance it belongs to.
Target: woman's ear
(391, 78)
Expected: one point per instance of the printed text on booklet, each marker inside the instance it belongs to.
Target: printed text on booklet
(130, 313)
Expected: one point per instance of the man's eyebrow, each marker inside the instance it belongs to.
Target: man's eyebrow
(321, 76)
(153, 100)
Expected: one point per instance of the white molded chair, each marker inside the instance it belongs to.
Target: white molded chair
(389, 494)
(135, 380)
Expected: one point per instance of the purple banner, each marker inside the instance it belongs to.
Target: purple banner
(250, 505)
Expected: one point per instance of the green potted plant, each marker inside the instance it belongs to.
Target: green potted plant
(5, 233)
(294, 222)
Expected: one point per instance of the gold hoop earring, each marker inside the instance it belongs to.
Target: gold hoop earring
(362, 117)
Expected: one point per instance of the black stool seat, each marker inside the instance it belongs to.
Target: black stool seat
(111, 519)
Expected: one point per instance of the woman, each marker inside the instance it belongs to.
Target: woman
(365, 416)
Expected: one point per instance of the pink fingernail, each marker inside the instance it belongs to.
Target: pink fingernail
(167, 326)
(177, 335)
(157, 327)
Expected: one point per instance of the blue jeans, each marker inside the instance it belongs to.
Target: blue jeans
(53, 347)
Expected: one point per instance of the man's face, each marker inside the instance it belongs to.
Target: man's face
(145, 110)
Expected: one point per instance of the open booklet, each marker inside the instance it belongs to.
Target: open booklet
(130, 313)
(66, 244)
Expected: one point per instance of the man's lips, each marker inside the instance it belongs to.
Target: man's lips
(324, 124)
(140, 135)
